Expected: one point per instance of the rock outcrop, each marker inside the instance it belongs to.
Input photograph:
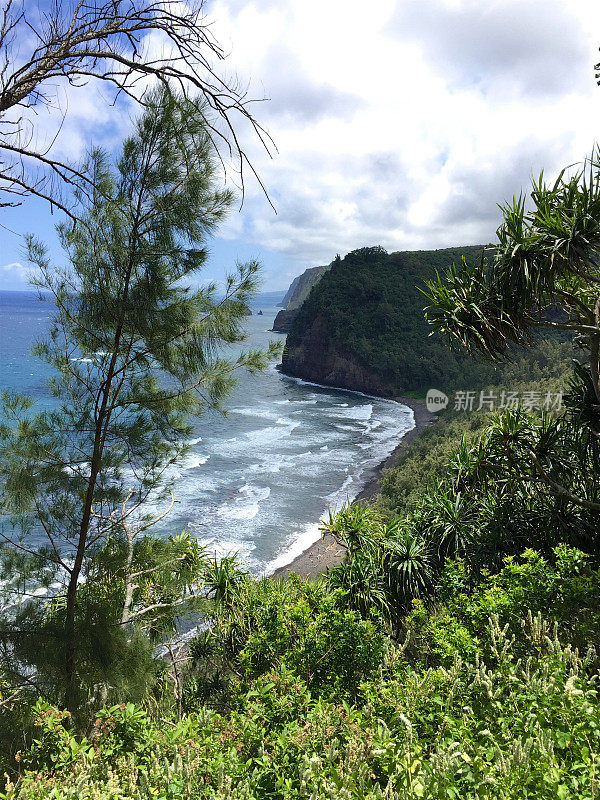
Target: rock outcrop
(283, 321)
(295, 296)
(320, 359)
(290, 292)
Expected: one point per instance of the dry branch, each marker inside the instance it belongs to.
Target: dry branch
(76, 43)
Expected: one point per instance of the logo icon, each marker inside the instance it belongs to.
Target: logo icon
(436, 400)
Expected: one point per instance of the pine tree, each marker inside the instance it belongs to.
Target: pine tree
(134, 351)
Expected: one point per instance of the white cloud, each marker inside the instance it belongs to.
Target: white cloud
(16, 269)
(398, 122)
(535, 48)
(405, 122)
(14, 275)
(17, 275)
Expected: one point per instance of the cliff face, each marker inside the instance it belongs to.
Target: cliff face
(288, 295)
(320, 359)
(283, 321)
(295, 296)
(309, 278)
(362, 326)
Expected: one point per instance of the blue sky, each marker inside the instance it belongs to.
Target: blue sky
(404, 126)
(35, 217)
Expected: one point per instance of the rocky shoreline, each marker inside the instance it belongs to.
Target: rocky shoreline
(326, 552)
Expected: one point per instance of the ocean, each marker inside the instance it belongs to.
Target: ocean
(258, 480)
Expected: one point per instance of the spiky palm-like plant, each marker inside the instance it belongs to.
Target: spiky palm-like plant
(546, 258)
(406, 565)
(355, 525)
(361, 577)
(544, 273)
(223, 579)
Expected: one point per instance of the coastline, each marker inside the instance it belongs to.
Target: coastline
(326, 553)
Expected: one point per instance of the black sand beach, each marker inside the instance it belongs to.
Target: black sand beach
(326, 553)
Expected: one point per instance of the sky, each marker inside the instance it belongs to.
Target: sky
(401, 123)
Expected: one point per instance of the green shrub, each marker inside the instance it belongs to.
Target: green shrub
(483, 696)
(303, 627)
(55, 748)
(518, 728)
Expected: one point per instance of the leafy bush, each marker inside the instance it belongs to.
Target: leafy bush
(565, 590)
(485, 698)
(55, 749)
(302, 627)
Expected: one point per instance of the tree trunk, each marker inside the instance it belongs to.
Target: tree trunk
(70, 698)
(129, 584)
(102, 422)
(595, 352)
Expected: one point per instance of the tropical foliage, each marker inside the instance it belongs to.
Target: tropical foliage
(484, 697)
(545, 261)
(545, 266)
(422, 464)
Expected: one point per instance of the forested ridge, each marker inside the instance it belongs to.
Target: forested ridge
(368, 309)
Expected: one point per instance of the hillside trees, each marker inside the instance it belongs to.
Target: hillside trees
(134, 351)
(368, 308)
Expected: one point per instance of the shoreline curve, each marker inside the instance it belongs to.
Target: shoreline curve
(326, 553)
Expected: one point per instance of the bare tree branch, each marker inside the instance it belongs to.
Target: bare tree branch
(75, 43)
(131, 533)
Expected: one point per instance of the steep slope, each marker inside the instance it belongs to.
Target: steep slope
(296, 295)
(363, 326)
(288, 295)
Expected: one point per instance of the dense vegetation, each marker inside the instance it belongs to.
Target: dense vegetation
(423, 464)
(485, 696)
(370, 306)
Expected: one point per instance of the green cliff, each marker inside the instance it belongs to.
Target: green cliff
(363, 327)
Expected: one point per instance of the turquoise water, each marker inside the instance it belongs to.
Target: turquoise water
(257, 481)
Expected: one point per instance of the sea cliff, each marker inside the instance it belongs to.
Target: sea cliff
(295, 296)
(320, 358)
(362, 326)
